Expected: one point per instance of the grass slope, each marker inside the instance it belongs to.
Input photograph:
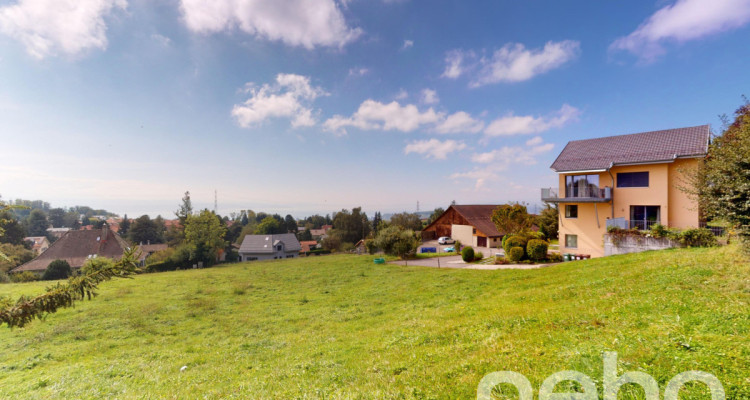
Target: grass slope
(342, 327)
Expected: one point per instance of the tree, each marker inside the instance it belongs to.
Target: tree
(435, 215)
(204, 234)
(37, 224)
(269, 226)
(376, 220)
(512, 218)
(721, 184)
(185, 210)
(124, 226)
(144, 230)
(57, 217)
(316, 220)
(352, 226)
(10, 230)
(305, 235)
(58, 269)
(407, 221)
(397, 241)
(16, 255)
(291, 224)
(548, 221)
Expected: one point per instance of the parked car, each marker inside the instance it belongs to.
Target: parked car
(449, 249)
(446, 240)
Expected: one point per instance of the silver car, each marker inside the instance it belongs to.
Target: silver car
(446, 240)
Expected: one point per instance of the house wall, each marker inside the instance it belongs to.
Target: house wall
(464, 234)
(677, 209)
(268, 256)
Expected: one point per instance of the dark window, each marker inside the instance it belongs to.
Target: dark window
(632, 179)
(571, 211)
(571, 241)
(278, 248)
(644, 217)
(582, 186)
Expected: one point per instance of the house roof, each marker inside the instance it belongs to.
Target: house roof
(75, 247)
(307, 245)
(265, 243)
(636, 148)
(478, 215)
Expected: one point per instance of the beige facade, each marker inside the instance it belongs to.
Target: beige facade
(661, 201)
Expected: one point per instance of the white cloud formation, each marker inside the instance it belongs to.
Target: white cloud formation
(360, 71)
(454, 63)
(492, 163)
(374, 115)
(434, 148)
(683, 21)
(407, 43)
(307, 23)
(48, 28)
(514, 63)
(401, 95)
(527, 124)
(284, 99)
(162, 40)
(460, 122)
(430, 96)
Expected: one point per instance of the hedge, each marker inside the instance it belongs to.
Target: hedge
(467, 254)
(515, 254)
(537, 249)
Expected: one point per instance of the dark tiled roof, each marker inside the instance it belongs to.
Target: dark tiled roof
(265, 243)
(601, 153)
(75, 247)
(479, 216)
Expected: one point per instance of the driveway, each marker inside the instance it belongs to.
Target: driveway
(488, 252)
(458, 263)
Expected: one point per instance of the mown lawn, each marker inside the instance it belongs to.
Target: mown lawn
(342, 327)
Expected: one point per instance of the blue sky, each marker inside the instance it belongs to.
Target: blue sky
(310, 106)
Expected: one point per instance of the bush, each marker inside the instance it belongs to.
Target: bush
(501, 261)
(58, 269)
(535, 235)
(370, 246)
(659, 231)
(4, 278)
(700, 237)
(515, 241)
(25, 276)
(467, 254)
(515, 254)
(554, 257)
(96, 264)
(396, 241)
(502, 242)
(537, 249)
(478, 256)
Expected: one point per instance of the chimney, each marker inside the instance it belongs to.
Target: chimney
(104, 232)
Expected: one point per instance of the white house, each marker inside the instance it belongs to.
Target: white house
(269, 247)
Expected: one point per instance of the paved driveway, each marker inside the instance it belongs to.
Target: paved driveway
(457, 262)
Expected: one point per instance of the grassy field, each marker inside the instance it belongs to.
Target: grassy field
(342, 327)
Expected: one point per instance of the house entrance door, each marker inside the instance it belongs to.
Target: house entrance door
(481, 241)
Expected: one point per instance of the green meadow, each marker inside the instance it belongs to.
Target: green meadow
(341, 327)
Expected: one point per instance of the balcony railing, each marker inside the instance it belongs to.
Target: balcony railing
(639, 224)
(579, 195)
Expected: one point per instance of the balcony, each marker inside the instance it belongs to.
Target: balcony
(580, 195)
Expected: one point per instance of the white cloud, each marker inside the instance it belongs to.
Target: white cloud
(430, 96)
(434, 148)
(360, 71)
(534, 141)
(162, 40)
(454, 63)
(514, 63)
(491, 164)
(284, 99)
(307, 23)
(683, 21)
(460, 122)
(401, 95)
(407, 44)
(374, 115)
(48, 28)
(527, 124)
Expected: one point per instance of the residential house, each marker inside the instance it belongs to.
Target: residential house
(148, 249)
(57, 232)
(269, 247)
(470, 224)
(323, 231)
(38, 243)
(76, 247)
(629, 181)
(307, 245)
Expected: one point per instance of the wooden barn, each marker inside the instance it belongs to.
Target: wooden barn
(470, 224)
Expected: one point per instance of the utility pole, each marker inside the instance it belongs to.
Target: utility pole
(216, 201)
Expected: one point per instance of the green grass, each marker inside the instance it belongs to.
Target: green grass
(342, 327)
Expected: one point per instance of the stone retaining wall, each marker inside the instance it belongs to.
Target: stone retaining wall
(636, 244)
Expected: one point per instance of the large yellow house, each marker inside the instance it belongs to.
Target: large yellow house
(628, 181)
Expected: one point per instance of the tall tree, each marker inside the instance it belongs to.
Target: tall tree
(204, 234)
(548, 221)
(185, 210)
(721, 184)
(144, 230)
(291, 224)
(11, 231)
(351, 226)
(376, 220)
(269, 225)
(512, 218)
(124, 226)
(36, 223)
(57, 217)
(406, 220)
(436, 214)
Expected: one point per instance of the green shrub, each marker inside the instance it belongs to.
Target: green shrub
(25, 276)
(478, 256)
(537, 249)
(96, 264)
(4, 278)
(554, 257)
(467, 254)
(535, 235)
(515, 241)
(700, 237)
(659, 231)
(502, 242)
(58, 269)
(501, 261)
(370, 246)
(515, 254)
